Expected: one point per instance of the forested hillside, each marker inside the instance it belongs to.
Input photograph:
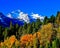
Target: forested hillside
(38, 34)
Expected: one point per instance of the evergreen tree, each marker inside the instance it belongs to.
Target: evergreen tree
(33, 27)
(46, 20)
(37, 24)
(5, 33)
(58, 18)
(20, 31)
(11, 25)
(1, 33)
(25, 25)
(24, 28)
(12, 30)
(24, 31)
(17, 26)
(28, 28)
(52, 19)
(16, 30)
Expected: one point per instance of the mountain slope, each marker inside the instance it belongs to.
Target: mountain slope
(5, 21)
(19, 18)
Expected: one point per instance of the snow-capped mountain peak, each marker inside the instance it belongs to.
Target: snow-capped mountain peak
(37, 16)
(24, 16)
(9, 15)
(19, 15)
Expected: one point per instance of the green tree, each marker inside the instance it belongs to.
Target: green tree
(5, 33)
(24, 28)
(33, 27)
(37, 24)
(20, 31)
(28, 28)
(12, 30)
(52, 19)
(25, 25)
(17, 26)
(46, 20)
(11, 25)
(16, 30)
(58, 18)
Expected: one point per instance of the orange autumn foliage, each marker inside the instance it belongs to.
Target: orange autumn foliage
(26, 38)
(12, 39)
(1, 44)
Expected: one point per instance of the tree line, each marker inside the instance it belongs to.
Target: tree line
(29, 28)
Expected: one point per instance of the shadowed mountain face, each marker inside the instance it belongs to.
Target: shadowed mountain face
(5, 21)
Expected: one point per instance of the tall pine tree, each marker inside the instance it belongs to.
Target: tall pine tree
(37, 24)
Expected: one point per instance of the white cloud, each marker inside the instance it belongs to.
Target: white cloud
(23, 16)
(9, 15)
(37, 16)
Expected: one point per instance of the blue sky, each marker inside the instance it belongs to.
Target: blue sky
(42, 7)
